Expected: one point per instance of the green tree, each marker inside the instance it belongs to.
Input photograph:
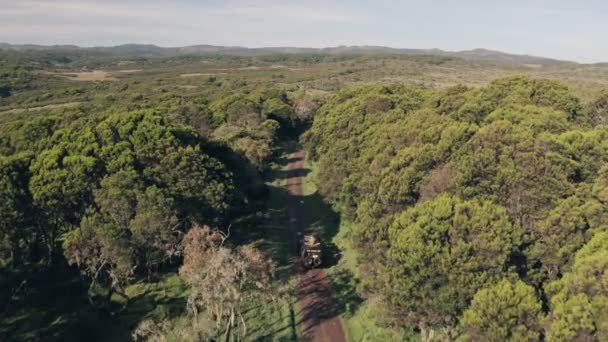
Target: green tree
(505, 311)
(579, 300)
(238, 110)
(276, 109)
(441, 253)
(509, 164)
(17, 233)
(567, 227)
(564, 231)
(155, 228)
(201, 184)
(103, 253)
(116, 196)
(61, 186)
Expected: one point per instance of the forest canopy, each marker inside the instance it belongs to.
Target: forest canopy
(463, 193)
(153, 195)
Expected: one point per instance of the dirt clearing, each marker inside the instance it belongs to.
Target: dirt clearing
(96, 75)
(201, 74)
(130, 71)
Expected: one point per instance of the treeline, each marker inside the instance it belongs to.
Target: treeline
(478, 213)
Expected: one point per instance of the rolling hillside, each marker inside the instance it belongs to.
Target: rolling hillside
(147, 50)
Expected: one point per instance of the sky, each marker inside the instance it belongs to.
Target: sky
(570, 30)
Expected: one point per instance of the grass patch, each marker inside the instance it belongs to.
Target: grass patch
(361, 326)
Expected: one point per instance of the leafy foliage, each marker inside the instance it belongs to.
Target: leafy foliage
(13, 77)
(16, 225)
(579, 300)
(505, 311)
(442, 251)
(454, 191)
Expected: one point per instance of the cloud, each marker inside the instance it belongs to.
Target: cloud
(43, 10)
(94, 22)
(150, 11)
(298, 12)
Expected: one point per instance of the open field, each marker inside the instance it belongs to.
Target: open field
(129, 71)
(96, 75)
(197, 74)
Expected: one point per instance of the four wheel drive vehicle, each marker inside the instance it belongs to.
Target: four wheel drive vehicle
(310, 251)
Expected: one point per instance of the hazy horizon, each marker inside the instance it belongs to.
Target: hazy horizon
(567, 31)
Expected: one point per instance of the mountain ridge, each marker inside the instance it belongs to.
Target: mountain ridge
(151, 50)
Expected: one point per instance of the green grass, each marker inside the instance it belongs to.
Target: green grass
(358, 316)
(320, 217)
(274, 321)
(361, 326)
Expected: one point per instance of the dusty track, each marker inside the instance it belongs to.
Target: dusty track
(318, 309)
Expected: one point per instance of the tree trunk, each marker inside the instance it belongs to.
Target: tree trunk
(244, 324)
(228, 328)
(119, 291)
(91, 286)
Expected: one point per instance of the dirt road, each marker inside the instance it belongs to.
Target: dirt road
(318, 309)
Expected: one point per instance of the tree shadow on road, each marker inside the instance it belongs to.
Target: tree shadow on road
(321, 219)
(274, 229)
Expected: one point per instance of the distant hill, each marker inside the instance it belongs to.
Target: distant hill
(6, 46)
(148, 50)
(490, 55)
